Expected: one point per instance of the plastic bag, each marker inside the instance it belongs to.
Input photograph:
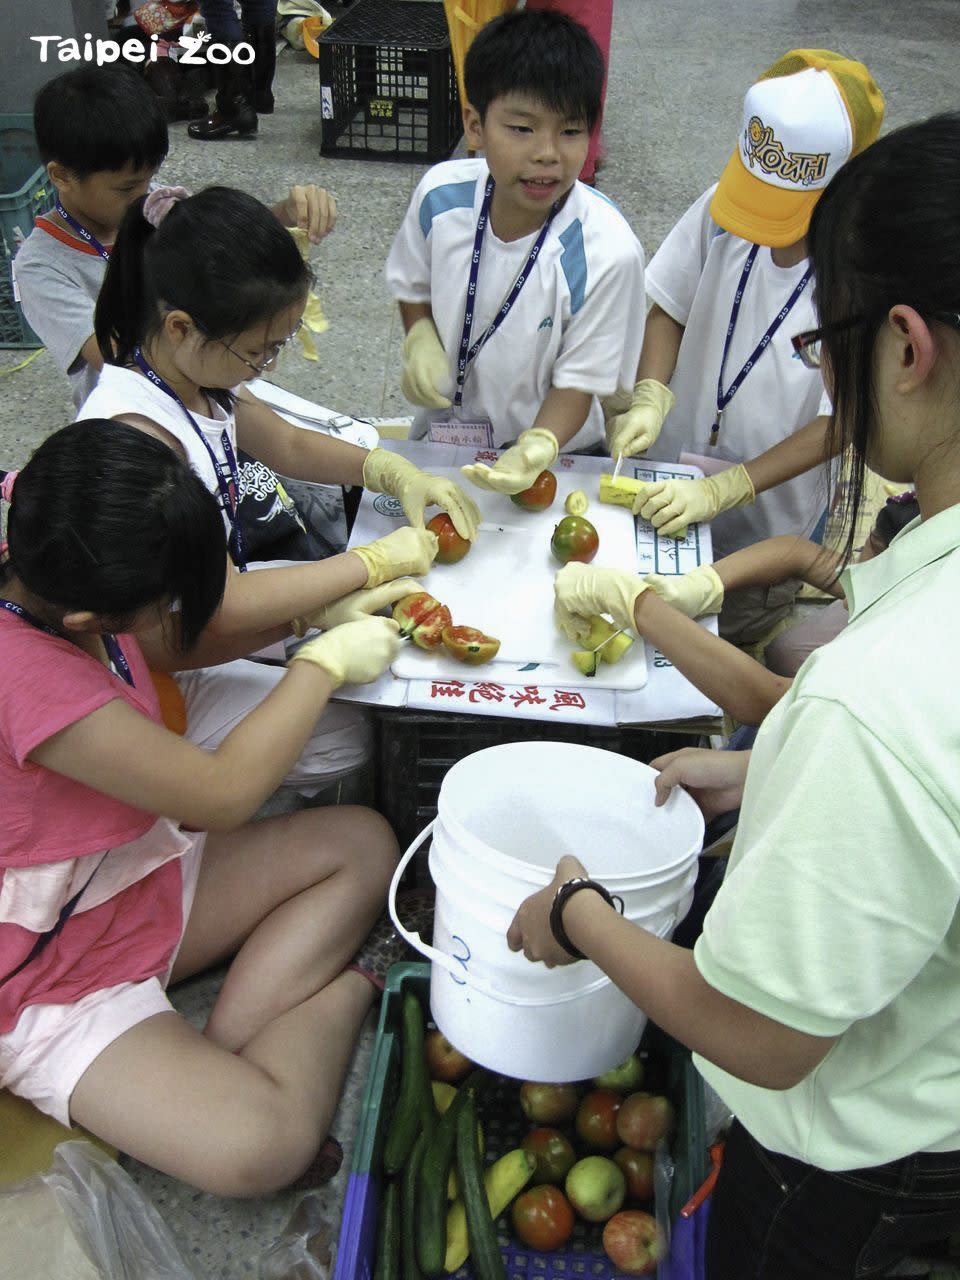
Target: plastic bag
(302, 1251)
(85, 1219)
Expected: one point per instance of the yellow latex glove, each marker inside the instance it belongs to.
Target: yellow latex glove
(425, 366)
(672, 505)
(355, 653)
(517, 468)
(581, 591)
(695, 593)
(386, 472)
(405, 552)
(637, 429)
(356, 606)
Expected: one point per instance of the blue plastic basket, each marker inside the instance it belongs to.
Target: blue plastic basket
(503, 1125)
(25, 192)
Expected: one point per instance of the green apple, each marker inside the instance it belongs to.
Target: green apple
(596, 1188)
(625, 1078)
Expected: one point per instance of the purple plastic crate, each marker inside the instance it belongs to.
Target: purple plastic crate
(504, 1126)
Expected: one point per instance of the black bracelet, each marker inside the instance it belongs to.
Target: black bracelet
(563, 896)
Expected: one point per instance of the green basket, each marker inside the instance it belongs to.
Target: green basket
(25, 192)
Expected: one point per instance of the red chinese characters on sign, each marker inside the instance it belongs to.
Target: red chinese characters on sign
(486, 455)
(486, 691)
(529, 695)
(447, 689)
(568, 698)
(566, 462)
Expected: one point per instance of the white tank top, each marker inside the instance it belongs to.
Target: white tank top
(121, 392)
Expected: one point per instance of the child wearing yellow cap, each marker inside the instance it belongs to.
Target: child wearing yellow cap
(731, 285)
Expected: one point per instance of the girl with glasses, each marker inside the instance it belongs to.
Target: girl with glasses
(200, 295)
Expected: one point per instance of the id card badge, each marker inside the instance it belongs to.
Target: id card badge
(445, 427)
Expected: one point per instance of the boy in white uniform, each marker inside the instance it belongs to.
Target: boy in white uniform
(737, 392)
(534, 82)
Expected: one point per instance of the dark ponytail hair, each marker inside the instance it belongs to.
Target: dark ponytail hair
(885, 231)
(106, 518)
(219, 255)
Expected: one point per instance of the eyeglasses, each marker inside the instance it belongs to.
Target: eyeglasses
(807, 345)
(274, 350)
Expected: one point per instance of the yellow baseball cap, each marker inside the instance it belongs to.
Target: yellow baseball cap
(803, 119)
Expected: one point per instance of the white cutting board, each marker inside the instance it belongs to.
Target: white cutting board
(504, 586)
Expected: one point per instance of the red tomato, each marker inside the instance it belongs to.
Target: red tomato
(574, 538)
(469, 645)
(637, 1168)
(542, 1218)
(540, 494)
(553, 1153)
(644, 1119)
(452, 546)
(597, 1119)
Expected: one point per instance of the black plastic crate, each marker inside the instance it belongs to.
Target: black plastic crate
(416, 749)
(388, 85)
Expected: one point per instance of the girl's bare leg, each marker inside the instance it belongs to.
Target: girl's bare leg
(297, 895)
(231, 1124)
(242, 1108)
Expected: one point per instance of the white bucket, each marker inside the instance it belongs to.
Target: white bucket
(505, 817)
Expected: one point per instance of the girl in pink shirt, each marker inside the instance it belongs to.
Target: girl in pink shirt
(127, 858)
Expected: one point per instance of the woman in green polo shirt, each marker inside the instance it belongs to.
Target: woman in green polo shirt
(823, 997)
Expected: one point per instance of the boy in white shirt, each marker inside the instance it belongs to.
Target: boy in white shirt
(519, 217)
(731, 285)
(102, 135)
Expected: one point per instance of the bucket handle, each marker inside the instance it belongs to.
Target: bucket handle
(454, 966)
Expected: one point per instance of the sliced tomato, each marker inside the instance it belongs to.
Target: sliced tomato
(469, 645)
(422, 618)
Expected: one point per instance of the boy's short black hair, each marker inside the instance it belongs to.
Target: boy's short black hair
(545, 55)
(100, 118)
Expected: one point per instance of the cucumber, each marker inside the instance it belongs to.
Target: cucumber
(414, 1109)
(432, 1219)
(387, 1264)
(481, 1232)
(408, 1210)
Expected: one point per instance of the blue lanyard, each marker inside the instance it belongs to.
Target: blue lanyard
(467, 352)
(724, 397)
(82, 231)
(228, 486)
(110, 643)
